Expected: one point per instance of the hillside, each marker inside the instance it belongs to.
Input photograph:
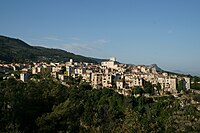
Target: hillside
(15, 50)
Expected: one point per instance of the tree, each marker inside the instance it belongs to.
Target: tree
(64, 117)
(12, 97)
(138, 90)
(48, 106)
(148, 88)
(180, 86)
(63, 69)
(158, 87)
(196, 97)
(196, 85)
(85, 86)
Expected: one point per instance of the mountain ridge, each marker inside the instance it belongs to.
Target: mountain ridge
(16, 50)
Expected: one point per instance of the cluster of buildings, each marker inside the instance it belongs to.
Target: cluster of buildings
(110, 74)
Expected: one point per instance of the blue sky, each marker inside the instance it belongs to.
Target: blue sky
(165, 32)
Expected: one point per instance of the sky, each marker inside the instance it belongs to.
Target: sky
(162, 32)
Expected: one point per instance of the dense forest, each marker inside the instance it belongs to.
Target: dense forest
(196, 83)
(48, 106)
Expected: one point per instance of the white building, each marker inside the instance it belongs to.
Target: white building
(69, 70)
(24, 76)
(80, 70)
(110, 63)
(119, 84)
(187, 83)
(168, 84)
(62, 77)
(34, 70)
(96, 79)
(107, 80)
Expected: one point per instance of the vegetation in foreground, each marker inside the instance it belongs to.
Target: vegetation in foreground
(48, 106)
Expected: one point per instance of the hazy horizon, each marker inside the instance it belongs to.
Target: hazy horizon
(166, 33)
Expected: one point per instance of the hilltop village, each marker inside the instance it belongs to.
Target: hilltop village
(109, 74)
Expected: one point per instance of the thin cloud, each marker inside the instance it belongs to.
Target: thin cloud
(53, 38)
(74, 45)
(83, 47)
(75, 39)
(101, 41)
(78, 48)
(88, 48)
